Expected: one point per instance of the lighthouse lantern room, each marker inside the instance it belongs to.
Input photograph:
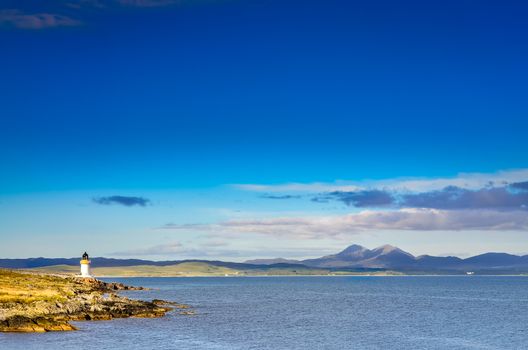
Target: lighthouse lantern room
(85, 265)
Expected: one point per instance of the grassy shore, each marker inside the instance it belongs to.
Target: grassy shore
(26, 288)
(38, 302)
(201, 269)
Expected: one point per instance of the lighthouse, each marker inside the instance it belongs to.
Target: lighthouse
(85, 265)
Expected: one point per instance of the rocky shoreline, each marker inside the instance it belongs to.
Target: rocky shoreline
(31, 302)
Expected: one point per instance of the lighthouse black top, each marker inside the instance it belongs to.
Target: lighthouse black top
(85, 256)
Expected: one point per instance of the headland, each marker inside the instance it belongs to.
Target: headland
(38, 302)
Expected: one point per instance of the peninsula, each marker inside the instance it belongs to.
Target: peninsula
(37, 302)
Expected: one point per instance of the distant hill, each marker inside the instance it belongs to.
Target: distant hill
(72, 265)
(190, 269)
(389, 257)
(385, 256)
(393, 258)
(106, 262)
(354, 258)
(272, 261)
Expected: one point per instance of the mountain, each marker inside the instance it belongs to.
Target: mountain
(496, 261)
(429, 262)
(390, 257)
(349, 257)
(355, 255)
(352, 258)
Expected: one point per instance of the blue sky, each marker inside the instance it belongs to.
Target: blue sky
(175, 129)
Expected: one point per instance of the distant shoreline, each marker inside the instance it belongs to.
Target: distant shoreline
(202, 269)
(354, 259)
(352, 275)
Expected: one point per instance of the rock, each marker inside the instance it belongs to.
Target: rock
(171, 303)
(77, 299)
(39, 324)
(190, 312)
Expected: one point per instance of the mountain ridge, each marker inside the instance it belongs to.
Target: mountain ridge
(391, 257)
(386, 257)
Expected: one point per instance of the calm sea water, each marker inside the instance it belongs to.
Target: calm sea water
(466, 312)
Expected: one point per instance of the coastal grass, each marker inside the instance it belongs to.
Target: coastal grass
(32, 301)
(27, 288)
(203, 269)
(183, 269)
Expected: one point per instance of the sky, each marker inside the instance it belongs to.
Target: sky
(241, 129)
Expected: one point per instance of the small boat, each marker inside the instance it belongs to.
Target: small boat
(470, 273)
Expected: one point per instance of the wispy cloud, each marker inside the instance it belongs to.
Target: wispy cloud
(300, 187)
(458, 198)
(340, 226)
(146, 3)
(176, 250)
(160, 249)
(285, 196)
(101, 4)
(463, 180)
(509, 197)
(122, 200)
(68, 13)
(79, 4)
(18, 19)
(506, 190)
(360, 199)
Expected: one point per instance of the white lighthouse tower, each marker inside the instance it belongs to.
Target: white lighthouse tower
(85, 265)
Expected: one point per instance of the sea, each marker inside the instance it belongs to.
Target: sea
(335, 312)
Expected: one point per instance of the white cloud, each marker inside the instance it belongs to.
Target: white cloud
(175, 250)
(341, 226)
(463, 180)
(35, 20)
(161, 249)
(146, 3)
